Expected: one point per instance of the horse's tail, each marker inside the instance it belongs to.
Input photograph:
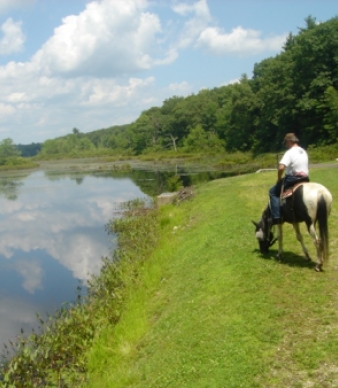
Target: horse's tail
(322, 219)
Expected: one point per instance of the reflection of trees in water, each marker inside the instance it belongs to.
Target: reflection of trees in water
(9, 188)
(79, 180)
(54, 176)
(152, 183)
(191, 179)
(57, 176)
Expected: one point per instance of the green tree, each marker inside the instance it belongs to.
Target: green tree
(240, 128)
(146, 131)
(49, 147)
(85, 144)
(199, 140)
(8, 149)
(275, 102)
(310, 22)
(173, 121)
(331, 116)
(290, 88)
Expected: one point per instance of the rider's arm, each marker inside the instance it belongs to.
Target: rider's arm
(280, 172)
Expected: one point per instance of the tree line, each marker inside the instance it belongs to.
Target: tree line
(295, 91)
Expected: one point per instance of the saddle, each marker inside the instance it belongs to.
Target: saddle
(290, 190)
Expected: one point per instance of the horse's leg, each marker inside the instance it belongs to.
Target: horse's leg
(318, 245)
(280, 240)
(300, 239)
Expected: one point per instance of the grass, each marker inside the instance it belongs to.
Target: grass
(192, 303)
(206, 309)
(17, 163)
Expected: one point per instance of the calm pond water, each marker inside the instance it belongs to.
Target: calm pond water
(53, 236)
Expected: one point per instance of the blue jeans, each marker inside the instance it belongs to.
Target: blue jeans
(274, 194)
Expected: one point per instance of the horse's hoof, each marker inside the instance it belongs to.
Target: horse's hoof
(318, 268)
(279, 258)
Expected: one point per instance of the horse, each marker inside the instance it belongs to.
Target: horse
(308, 202)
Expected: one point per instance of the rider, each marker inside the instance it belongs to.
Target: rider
(295, 164)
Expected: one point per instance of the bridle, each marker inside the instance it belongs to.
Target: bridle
(263, 228)
(268, 235)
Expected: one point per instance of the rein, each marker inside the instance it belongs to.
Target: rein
(268, 236)
(273, 241)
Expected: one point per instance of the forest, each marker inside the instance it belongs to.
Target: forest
(295, 91)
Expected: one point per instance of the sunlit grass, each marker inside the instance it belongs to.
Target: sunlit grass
(215, 312)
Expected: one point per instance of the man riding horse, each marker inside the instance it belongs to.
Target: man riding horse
(295, 164)
(310, 203)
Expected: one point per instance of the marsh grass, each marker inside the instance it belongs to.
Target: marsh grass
(17, 163)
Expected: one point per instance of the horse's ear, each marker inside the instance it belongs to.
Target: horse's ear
(255, 223)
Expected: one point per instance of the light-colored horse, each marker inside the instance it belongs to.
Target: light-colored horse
(309, 203)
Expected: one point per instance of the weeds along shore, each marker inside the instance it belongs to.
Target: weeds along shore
(55, 356)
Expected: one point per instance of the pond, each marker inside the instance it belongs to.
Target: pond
(53, 237)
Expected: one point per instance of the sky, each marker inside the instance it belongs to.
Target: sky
(90, 65)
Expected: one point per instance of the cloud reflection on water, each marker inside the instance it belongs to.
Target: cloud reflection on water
(53, 236)
(32, 274)
(16, 314)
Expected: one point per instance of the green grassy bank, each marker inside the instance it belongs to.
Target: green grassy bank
(206, 309)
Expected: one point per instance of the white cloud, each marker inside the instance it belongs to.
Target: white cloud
(44, 101)
(88, 63)
(12, 37)
(107, 92)
(6, 5)
(6, 110)
(194, 26)
(239, 41)
(108, 38)
(232, 81)
(182, 88)
(17, 97)
(200, 8)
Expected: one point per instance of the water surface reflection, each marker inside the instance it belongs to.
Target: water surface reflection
(53, 235)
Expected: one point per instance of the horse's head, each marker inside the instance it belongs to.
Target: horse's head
(264, 233)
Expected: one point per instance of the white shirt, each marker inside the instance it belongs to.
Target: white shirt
(296, 162)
